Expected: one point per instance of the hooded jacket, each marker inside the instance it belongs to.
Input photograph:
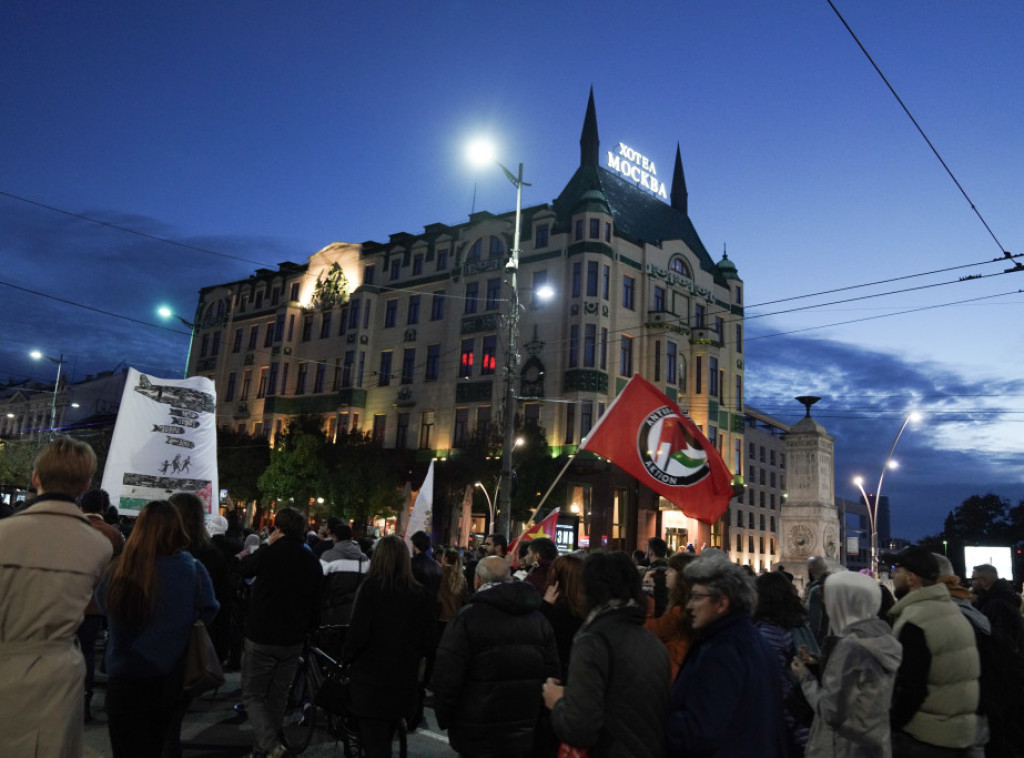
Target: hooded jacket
(851, 705)
(495, 655)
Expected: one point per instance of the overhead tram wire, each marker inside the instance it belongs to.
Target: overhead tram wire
(1006, 254)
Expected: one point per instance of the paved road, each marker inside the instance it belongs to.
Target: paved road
(213, 728)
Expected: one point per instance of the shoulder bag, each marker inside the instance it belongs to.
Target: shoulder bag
(203, 671)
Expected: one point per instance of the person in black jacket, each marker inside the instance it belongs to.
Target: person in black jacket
(1001, 605)
(284, 608)
(494, 656)
(616, 700)
(392, 631)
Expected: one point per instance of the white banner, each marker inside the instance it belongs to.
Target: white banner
(422, 510)
(165, 441)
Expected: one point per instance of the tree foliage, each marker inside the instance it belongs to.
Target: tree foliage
(298, 467)
(16, 458)
(241, 459)
(979, 520)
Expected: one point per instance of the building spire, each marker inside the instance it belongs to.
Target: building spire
(679, 197)
(590, 144)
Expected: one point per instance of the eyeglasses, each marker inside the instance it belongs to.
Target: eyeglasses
(700, 595)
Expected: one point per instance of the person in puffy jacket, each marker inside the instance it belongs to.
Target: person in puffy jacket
(491, 662)
(851, 704)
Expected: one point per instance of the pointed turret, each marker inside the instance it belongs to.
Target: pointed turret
(679, 197)
(590, 145)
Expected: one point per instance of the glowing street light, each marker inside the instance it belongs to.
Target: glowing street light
(166, 313)
(490, 505)
(482, 152)
(35, 354)
(873, 506)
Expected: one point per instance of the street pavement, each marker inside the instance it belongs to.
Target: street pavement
(212, 728)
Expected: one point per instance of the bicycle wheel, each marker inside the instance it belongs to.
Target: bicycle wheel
(300, 713)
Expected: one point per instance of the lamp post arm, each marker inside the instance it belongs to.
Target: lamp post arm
(888, 460)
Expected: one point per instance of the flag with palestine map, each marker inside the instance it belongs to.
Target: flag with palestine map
(645, 434)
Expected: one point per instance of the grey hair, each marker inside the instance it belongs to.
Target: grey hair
(724, 578)
(945, 565)
(492, 569)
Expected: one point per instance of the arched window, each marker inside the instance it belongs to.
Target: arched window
(474, 251)
(678, 266)
(497, 248)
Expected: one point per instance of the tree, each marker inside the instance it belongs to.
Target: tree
(241, 459)
(978, 520)
(298, 465)
(16, 458)
(363, 480)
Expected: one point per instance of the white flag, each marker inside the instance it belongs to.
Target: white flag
(422, 510)
(165, 441)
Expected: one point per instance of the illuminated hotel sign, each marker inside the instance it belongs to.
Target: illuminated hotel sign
(632, 165)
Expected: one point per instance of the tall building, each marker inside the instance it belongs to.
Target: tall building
(407, 339)
(752, 533)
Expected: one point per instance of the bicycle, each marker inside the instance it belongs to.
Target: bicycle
(318, 691)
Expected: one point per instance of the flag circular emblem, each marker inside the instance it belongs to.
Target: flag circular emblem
(669, 451)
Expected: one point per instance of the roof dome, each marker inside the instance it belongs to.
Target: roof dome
(727, 267)
(593, 200)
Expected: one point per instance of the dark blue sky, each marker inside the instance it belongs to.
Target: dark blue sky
(260, 132)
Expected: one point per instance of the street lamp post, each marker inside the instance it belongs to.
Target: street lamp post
(482, 152)
(164, 312)
(873, 506)
(490, 506)
(56, 386)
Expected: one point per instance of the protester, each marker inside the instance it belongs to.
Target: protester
(996, 599)
(496, 544)
(782, 620)
(564, 604)
(616, 699)
(392, 631)
(726, 700)
(344, 567)
(674, 627)
(94, 504)
(654, 577)
(935, 698)
(490, 665)
(454, 591)
(342, 544)
(851, 704)
(425, 569)
(52, 559)
(817, 616)
(152, 594)
(283, 608)
(541, 553)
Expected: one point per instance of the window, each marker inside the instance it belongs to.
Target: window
(577, 274)
(336, 383)
(586, 417)
(474, 252)
(261, 390)
(408, 365)
(384, 376)
(698, 316)
(369, 274)
(626, 356)
(591, 278)
(698, 375)
(659, 299)
(353, 315)
(574, 345)
(291, 327)
(325, 325)
(466, 360)
(307, 328)
(275, 296)
(604, 347)
(606, 278)
(390, 313)
(712, 376)
(671, 362)
(413, 316)
(442, 259)
(472, 296)
(589, 344)
(720, 328)
(761, 454)
(607, 231)
(300, 379)
(215, 349)
(739, 392)
(678, 266)
(259, 300)
(246, 385)
(426, 429)
(493, 293)
(380, 421)
(229, 393)
(272, 381)
(570, 424)
(579, 229)
(488, 362)
(540, 236)
(750, 522)
(295, 292)
(497, 248)
(483, 422)
(396, 268)
(402, 431)
(739, 294)
(627, 292)
(739, 338)
(268, 337)
(236, 344)
(318, 379)
(417, 269)
(437, 307)
(461, 435)
(366, 315)
(346, 369)
(595, 228)
(433, 363)
(284, 378)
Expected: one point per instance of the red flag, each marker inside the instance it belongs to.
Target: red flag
(645, 434)
(545, 528)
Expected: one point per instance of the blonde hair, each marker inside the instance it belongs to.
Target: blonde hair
(66, 466)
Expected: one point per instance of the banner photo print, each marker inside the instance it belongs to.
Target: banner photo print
(165, 441)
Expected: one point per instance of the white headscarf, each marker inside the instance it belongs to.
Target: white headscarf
(850, 597)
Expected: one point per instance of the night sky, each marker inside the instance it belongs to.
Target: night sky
(150, 149)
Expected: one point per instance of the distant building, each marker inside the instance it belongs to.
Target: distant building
(84, 408)
(857, 531)
(407, 339)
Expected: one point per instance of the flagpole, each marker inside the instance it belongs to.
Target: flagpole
(533, 516)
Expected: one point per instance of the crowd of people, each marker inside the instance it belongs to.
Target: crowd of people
(533, 654)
